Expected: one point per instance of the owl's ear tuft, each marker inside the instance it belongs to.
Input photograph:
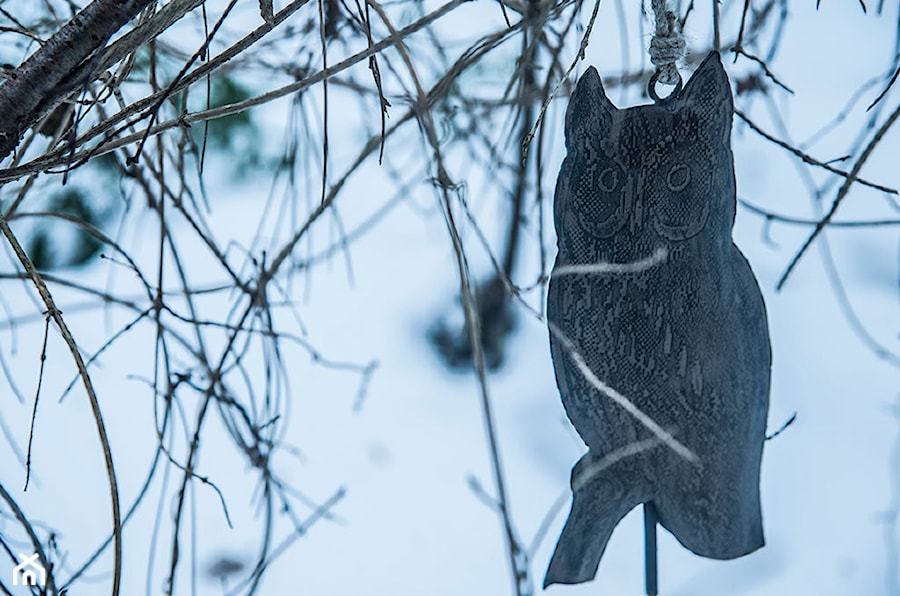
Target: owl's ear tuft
(589, 108)
(708, 92)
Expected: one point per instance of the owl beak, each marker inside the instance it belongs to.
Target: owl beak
(634, 203)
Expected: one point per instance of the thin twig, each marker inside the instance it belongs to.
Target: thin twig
(37, 396)
(662, 434)
(841, 194)
(56, 315)
(32, 536)
(850, 176)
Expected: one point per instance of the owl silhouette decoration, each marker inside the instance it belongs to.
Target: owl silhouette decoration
(683, 337)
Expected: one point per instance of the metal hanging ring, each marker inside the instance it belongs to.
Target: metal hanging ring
(651, 89)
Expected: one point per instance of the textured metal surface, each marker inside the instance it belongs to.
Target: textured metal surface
(685, 340)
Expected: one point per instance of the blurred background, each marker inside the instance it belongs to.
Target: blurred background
(262, 223)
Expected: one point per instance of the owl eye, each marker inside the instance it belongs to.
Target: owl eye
(608, 180)
(678, 177)
(681, 216)
(602, 201)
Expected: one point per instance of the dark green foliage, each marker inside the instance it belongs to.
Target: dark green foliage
(225, 131)
(234, 135)
(63, 238)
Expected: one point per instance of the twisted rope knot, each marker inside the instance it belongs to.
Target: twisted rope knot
(667, 45)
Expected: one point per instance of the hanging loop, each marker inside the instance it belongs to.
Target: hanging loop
(651, 88)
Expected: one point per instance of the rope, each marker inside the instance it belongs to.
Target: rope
(667, 45)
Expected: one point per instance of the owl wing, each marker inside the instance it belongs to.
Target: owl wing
(705, 378)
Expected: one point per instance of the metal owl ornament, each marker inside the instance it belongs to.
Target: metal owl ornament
(658, 328)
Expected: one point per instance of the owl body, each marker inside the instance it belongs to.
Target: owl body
(684, 339)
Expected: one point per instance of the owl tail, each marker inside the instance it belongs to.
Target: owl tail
(600, 499)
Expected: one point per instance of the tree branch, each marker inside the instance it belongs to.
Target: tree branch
(68, 60)
(48, 75)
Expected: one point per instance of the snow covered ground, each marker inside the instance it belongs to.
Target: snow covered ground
(410, 522)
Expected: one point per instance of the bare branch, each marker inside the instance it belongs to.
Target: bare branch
(36, 86)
